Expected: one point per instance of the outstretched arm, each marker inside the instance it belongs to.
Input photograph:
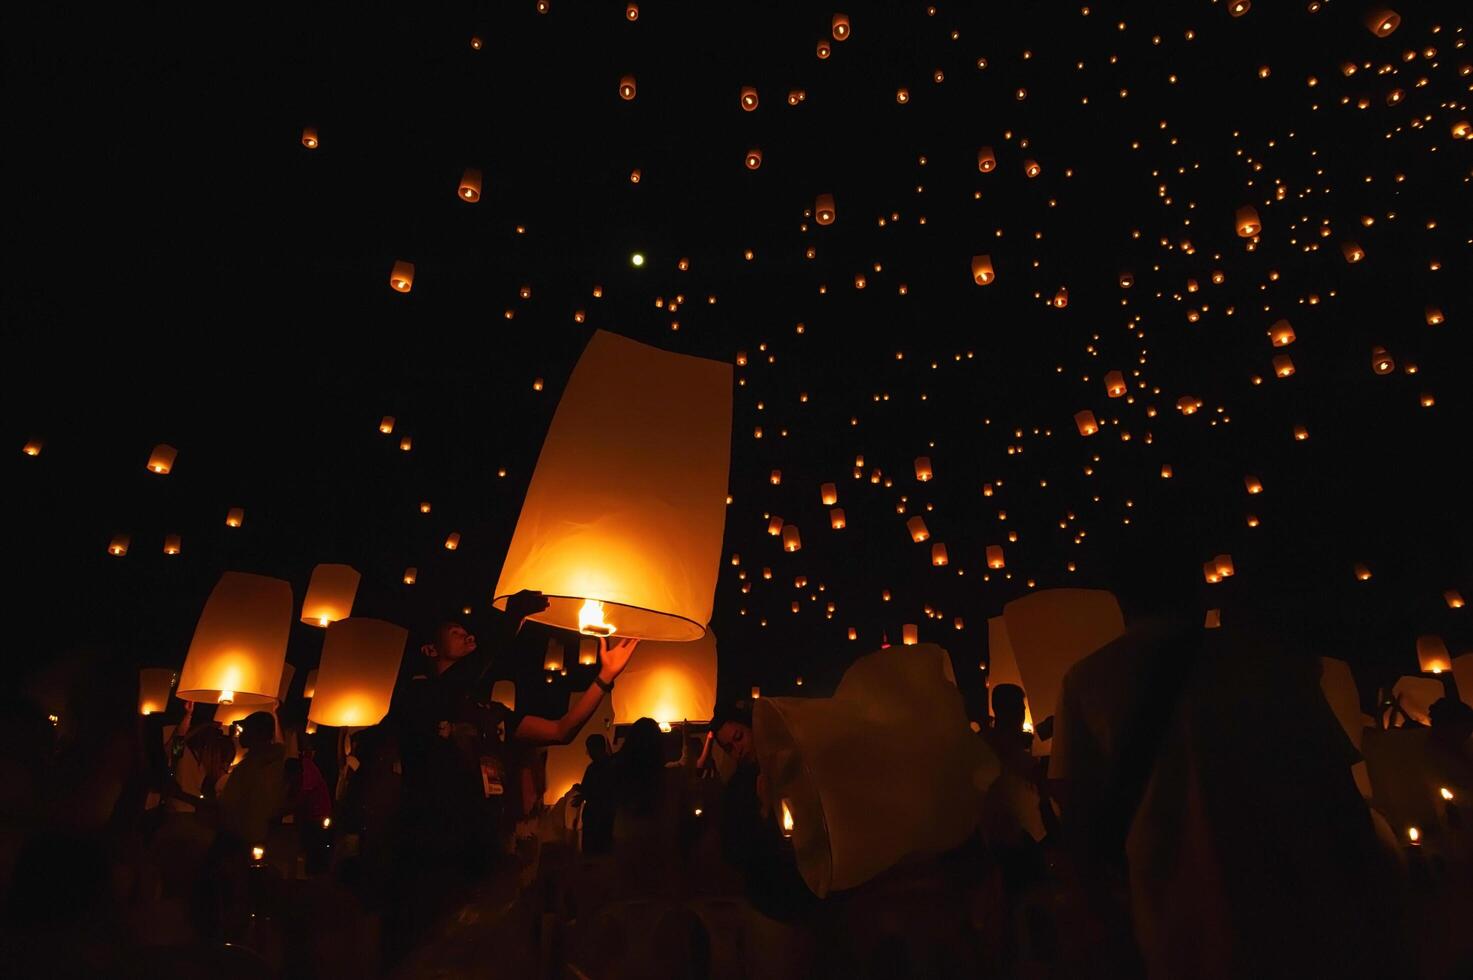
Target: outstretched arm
(560, 731)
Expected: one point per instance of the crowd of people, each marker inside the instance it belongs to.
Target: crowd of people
(1159, 835)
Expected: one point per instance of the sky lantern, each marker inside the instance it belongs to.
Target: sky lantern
(1052, 629)
(917, 528)
(631, 11)
(1352, 252)
(235, 517)
(1247, 220)
(1281, 334)
(840, 27)
(401, 277)
(1240, 7)
(411, 575)
(172, 544)
(1382, 22)
(587, 651)
(1283, 365)
(1434, 316)
(776, 478)
(33, 447)
(118, 546)
(552, 659)
(669, 682)
(829, 494)
(330, 594)
(986, 160)
(309, 137)
(909, 634)
(938, 554)
(1085, 420)
(1432, 655)
(452, 541)
(1224, 565)
(1252, 484)
(823, 209)
(1381, 361)
(836, 518)
(791, 540)
(923, 468)
(1031, 168)
(775, 526)
(309, 686)
(823, 50)
(239, 644)
(161, 460)
(154, 684)
(754, 158)
(1454, 599)
(470, 185)
(982, 273)
(638, 551)
(386, 425)
(406, 444)
(1188, 405)
(1300, 433)
(995, 558)
(870, 776)
(1114, 384)
(749, 98)
(356, 676)
(626, 88)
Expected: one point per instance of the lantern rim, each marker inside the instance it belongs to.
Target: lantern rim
(646, 624)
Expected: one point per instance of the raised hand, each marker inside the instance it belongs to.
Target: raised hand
(528, 602)
(614, 657)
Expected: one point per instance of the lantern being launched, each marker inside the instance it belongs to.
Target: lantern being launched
(668, 682)
(239, 645)
(643, 540)
(355, 681)
(591, 619)
(330, 594)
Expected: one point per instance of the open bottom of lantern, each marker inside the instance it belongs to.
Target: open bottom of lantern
(628, 622)
(241, 699)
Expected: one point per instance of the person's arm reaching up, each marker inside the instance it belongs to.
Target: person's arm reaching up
(560, 731)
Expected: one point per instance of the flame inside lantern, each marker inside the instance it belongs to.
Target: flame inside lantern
(787, 820)
(591, 619)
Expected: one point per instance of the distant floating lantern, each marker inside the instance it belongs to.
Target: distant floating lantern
(631, 12)
(823, 209)
(995, 558)
(309, 137)
(1434, 316)
(1224, 565)
(118, 546)
(840, 27)
(626, 88)
(172, 544)
(424, 506)
(829, 493)
(154, 684)
(909, 634)
(1031, 168)
(756, 692)
(902, 95)
(1362, 573)
(1252, 484)
(470, 185)
(476, 43)
(552, 660)
(1166, 471)
(1382, 22)
(33, 447)
(1210, 573)
(452, 541)
(1283, 365)
(1188, 405)
(823, 50)
(917, 528)
(1352, 252)
(648, 551)
(982, 273)
(1213, 619)
(1240, 7)
(923, 468)
(587, 651)
(238, 651)
(386, 426)
(1432, 655)
(235, 517)
(1300, 433)
(1114, 384)
(1462, 130)
(406, 444)
(401, 277)
(836, 518)
(161, 460)
(754, 158)
(411, 575)
(791, 540)
(938, 554)
(775, 525)
(330, 594)
(1453, 598)
(749, 97)
(986, 160)
(1381, 361)
(355, 679)
(309, 686)
(1281, 334)
(1085, 421)
(776, 478)
(1248, 223)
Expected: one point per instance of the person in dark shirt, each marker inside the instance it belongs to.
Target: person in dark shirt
(597, 793)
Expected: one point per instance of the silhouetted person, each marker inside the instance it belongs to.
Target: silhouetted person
(255, 794)
(1006, 736)
(597, 791)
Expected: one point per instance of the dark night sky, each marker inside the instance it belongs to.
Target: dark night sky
(181, 269)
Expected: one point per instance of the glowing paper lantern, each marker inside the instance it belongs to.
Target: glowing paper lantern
(749, 97)
(791, 539)
(33, 447)
(754, 158)
(909, 634)
(1283, 365)
(1281, 333)
(355, 680)
(1031, 168)
(552, 660)
(309, 686)
(118, 546)
(235, 517)
(1085, 420)
(330, 594)
(1381, 361)
(885, 770)
(829, 493)
(645, 538)
(1050, 630)
(1248, 223)
(153, 689)
(917, 528)
(986, 160)
(452, 541)
(505, 692)
(1453, 598)
(1352, 252)
(1240, 7)
(626, 88)
(995, 556)
(587, 651)
(309, 137)
(1382, 22)
(239, 644)
(470, 185)
(172, 544)
(938, 554)
(668, 682)
(566, 763)
(1114, 384)
(1252, 484)
(161, 460)
(776, 478)
(1432, 655)
(982, 273)
(386, 426)
(923, 468)
(840, 27)
(836, 519)
(823, 209)
(401, 277)
(411, 574)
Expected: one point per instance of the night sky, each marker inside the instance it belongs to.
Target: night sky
(181, 269)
